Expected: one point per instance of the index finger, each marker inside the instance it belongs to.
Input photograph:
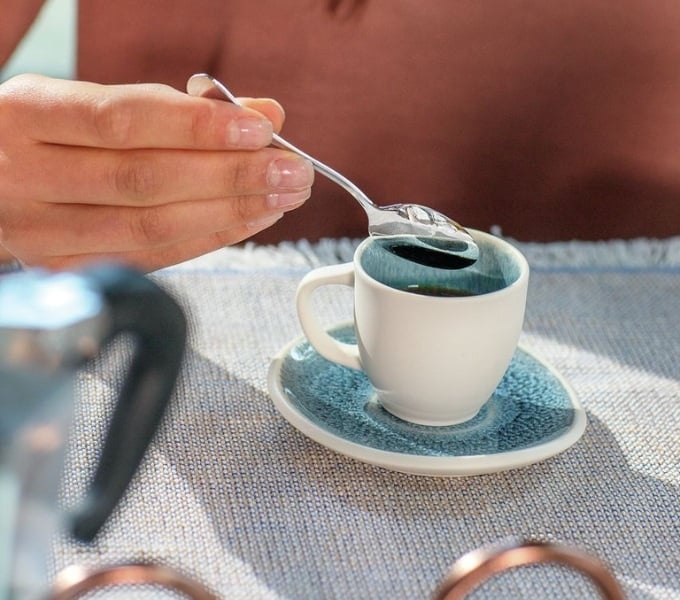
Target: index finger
(135, 116)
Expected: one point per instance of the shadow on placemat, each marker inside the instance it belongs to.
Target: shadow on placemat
(241, 498)
(300, 515)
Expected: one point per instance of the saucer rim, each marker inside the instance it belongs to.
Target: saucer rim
(414, 464)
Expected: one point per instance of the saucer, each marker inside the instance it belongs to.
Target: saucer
(532, 415)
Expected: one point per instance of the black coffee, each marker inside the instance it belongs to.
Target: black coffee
(445, 255)
(437, 290)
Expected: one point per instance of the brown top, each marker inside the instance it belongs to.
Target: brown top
(17, 16)
(553, 120)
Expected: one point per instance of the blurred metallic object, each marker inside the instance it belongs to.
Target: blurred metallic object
(474, 568)
(76, 581)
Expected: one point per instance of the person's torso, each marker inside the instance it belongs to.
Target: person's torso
(548, 120)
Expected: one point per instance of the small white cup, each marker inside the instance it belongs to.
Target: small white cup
(433, 360)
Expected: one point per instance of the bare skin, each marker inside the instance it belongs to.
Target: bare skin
(143, 174)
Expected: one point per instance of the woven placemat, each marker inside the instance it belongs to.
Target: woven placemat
(233, 495)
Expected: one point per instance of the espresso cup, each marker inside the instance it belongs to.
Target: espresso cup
(434, 343)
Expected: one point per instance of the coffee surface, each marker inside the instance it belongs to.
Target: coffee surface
(405, 263)
(437, 290)
(443, 255)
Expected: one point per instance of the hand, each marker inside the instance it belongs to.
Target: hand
(143, 174)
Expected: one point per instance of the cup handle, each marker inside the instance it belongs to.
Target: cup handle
(157, 324)
(327, 346)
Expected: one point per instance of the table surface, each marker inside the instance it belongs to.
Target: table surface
(235, 496)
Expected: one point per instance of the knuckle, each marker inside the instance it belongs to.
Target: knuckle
(204, 122)
(19, 85)
(135, 178)
(150, 228)
(242, 209)
(14, 93)
(244, 174)
(113, 120)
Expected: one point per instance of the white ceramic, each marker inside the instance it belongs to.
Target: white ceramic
(432, 360)
(532, 415)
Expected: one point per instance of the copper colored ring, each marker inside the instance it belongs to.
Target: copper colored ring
(479, 565)
(75, 581)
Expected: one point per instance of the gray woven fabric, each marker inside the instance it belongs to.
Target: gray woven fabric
(233, 495)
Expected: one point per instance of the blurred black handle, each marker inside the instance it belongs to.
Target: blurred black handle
(158, 326)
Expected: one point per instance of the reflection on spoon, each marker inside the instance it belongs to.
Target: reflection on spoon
(432, 251)
(435, 233)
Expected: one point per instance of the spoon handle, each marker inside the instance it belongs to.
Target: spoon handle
(328, 172)
(368, 205)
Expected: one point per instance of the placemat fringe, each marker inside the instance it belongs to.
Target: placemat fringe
(303, 254)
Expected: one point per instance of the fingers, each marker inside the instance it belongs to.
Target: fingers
(144, 174)
(133, 116)
(153, 259)
(65, 229)
(151, 177)
(268, 107)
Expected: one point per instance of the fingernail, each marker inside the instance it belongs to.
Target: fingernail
(293, 172)
(288, 200)
(249, 133)
(264, 221)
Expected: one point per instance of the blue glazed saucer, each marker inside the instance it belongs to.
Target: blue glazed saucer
(532, 415)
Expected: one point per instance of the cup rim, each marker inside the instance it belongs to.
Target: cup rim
(475, 233)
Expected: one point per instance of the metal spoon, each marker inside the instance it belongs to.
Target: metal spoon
(431, 233)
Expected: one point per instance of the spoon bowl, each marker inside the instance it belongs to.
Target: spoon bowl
(431, 232)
